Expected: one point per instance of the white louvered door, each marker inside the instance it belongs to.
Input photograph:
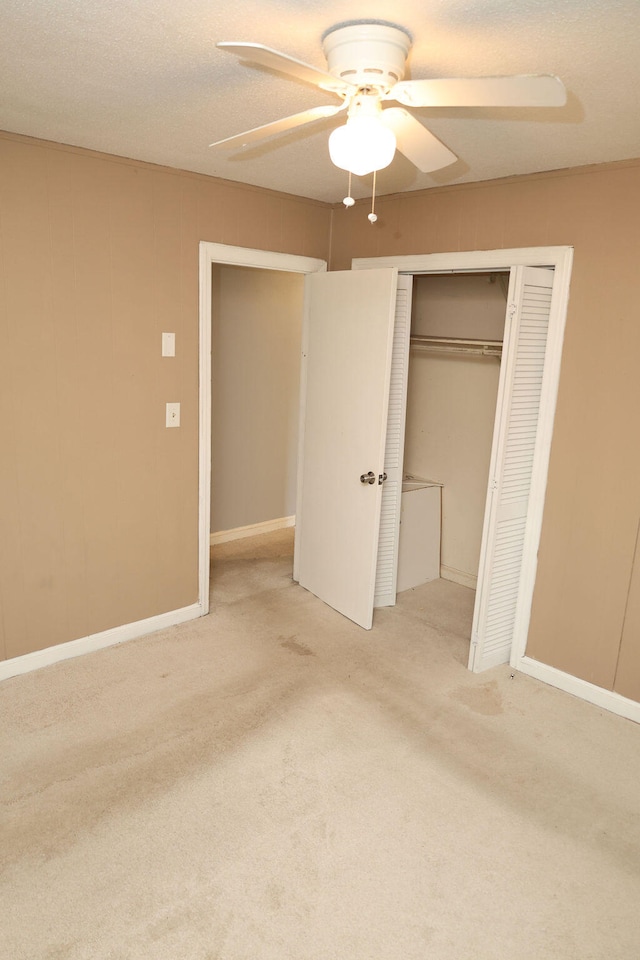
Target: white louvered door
(512, 460)
(387, 568)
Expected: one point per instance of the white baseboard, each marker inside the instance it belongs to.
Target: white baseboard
(607, 699)
(458, 576)
(96, 641)
(225, 536)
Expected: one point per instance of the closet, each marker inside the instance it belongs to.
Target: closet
(457, 329)
(355, 397)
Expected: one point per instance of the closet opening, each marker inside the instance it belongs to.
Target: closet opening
(457, 331)
(538, 293)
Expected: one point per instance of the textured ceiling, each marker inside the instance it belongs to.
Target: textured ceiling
(143, 79)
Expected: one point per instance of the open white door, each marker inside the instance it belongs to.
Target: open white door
(511, 470)
(346, 364)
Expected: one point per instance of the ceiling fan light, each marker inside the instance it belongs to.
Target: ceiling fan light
(362, 145)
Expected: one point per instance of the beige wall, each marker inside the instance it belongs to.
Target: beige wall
(98, 500)
(451, 405)
(586, 557)
(470, 306)
(256, 331)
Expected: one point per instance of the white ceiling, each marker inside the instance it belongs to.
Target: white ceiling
(143, 79)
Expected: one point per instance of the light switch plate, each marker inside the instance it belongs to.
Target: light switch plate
(173, 415)
(168, 344)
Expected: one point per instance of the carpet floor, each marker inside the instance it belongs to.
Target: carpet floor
(273, 783)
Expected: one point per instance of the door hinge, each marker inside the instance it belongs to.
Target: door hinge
(511, 310)
(493, 484)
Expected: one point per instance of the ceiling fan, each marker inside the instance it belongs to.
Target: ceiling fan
(366, 64)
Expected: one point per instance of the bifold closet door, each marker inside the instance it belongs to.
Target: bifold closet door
(346, 365)
(511, 470)
(387, 565)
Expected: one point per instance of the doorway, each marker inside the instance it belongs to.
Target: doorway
(514, 510)
(255, 374)
(457, 332)
(213, 256)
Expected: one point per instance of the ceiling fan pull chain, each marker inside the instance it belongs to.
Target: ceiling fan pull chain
(348, 200)
(372, 216)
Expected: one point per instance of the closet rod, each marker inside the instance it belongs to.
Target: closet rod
(485, 348)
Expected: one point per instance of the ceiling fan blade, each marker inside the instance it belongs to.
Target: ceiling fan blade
(416, 142)
(283, 63)
(526, 91)
(278, 126)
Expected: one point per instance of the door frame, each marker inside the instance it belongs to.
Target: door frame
(210, 254)
(560, 259)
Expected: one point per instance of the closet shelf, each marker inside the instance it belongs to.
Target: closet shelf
(483, 348)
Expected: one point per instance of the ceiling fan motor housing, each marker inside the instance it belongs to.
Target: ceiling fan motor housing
(367, 54)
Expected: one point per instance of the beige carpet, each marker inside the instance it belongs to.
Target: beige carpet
(272, 782)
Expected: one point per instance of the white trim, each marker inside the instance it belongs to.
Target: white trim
(607, 699)
(561, 260)
(96, 641)
(458, 576)
(471, 260)
(261, 259)
(251, 530)
(302, 409)
(211, 253)
(204, 427)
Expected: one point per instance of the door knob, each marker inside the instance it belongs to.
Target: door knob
(368, 477)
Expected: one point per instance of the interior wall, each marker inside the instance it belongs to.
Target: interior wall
(98, 500)
(451, 404)
(463, 305)
(592, 506)
(256, 334)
